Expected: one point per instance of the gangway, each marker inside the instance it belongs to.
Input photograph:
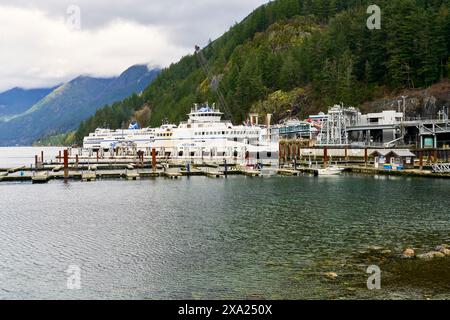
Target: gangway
(441, 167)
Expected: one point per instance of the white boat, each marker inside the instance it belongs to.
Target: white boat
(329, 171)
(203, 136)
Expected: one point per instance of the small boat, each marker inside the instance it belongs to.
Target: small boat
(330, 171)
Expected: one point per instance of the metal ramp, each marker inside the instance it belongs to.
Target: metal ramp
(441, 168)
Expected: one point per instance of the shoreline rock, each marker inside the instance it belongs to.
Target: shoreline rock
(443, 249)
(331, 275)
(431, 255)
(408, 253)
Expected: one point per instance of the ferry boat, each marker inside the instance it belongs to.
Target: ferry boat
(204, 135)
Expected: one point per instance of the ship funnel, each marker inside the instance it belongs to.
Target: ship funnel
(254, 119)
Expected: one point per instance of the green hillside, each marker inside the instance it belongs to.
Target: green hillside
(299, 56)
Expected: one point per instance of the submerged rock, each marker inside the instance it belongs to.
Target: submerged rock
(431, 255)
(331, 275)
(443, 249)
(408, 253)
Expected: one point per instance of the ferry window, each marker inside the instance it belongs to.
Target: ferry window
(223, 132)
(203, 133)
(180, 154)
(269, 154)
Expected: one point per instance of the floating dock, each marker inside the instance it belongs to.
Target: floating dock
(84, 168)
(40, 178)
(288, 172)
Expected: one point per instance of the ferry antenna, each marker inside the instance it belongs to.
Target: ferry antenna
(204, 64)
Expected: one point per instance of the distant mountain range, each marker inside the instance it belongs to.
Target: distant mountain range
(18, 100)
(27, 115)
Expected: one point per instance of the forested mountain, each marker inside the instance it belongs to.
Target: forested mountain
(18, 100)
(68, 105)
(294, 57)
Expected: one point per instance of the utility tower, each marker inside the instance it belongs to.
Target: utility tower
(334, 129)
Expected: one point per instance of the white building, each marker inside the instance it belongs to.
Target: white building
(388, 117)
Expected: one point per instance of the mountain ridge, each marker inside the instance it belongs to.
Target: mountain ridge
(313, 53)
(17, 100)
(70, 103)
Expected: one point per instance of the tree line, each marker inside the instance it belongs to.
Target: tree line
(323, 45)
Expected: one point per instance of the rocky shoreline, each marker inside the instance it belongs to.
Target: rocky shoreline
(440, 251)
(411, 273)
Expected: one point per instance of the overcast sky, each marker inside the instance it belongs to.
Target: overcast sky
(46, 42)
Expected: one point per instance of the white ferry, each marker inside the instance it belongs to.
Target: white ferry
(205, 135)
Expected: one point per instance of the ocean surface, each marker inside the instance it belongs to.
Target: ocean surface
(202, 238)
(24, 156)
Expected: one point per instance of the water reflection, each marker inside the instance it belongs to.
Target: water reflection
(207, 238)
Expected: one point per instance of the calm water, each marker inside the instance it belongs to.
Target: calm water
(209, 238)
(24, 156)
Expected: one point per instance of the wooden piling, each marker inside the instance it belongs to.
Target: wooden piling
(153, 159)
(66, 164)
(366, 156)
(325, 156)
(225, 170)
(421, 159)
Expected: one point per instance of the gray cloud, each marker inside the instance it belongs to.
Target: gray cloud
(36, 47)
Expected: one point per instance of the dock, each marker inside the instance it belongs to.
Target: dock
(40, 178)
(251, 173)
(172, 174)
(13, 170)
(132, 176)
(214, 174)
(57, 168)
(88, 176)
(88, 168)
(288, 172)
